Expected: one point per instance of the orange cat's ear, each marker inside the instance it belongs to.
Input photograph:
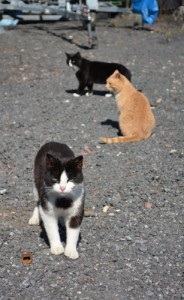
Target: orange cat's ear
(117, 74)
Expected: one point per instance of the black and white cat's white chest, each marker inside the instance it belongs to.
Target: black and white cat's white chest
(90, 72)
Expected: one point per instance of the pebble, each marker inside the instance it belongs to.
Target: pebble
(89, 212)
(141, 241)
(3, 191)
(53, 285)
(25, 283)
(143, 249)
(128, 238)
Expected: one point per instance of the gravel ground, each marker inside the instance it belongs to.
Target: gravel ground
(133, 250)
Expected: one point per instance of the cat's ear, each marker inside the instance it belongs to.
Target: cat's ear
(50, 160)
(67, 54)
(117, 74)
(78, 161)
(78, 55)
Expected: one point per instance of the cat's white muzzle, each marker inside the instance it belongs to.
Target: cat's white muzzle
(71, 65)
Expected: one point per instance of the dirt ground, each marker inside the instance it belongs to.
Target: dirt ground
(132, 249)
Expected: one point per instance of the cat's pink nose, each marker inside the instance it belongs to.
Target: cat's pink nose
(62, 188)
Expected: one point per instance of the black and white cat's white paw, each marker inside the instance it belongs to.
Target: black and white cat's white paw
(108, 95)
(35, 219)
(71, 253)
(76, 95)
(88, 94)
(57, 249)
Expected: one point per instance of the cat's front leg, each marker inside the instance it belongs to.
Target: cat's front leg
(51, 226)
(82, 84)
(79, 90)
(71, 241)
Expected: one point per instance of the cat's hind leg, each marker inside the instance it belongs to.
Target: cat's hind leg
(90, 90)
(35, 219)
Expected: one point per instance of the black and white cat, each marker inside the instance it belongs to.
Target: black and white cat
(91, 72)
(59, 192)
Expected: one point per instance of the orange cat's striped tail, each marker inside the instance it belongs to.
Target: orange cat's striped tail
(121, 139)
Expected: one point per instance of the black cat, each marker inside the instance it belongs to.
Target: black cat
(91, 72)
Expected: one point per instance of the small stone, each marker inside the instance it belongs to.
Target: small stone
(25, 284)
(116, 199)
(160, 296)
(53, 285)
(32, 282)
(106, 208)
(148, 205)
(141, 241)
(89, 212)
(3, 191)
(156, 259)
(128, 238)
(143, 249)
(150, 293)
(167, 189)
(173, 151)
(159, 100)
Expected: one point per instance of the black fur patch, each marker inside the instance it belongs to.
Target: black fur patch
(77, 220)
(63, 202)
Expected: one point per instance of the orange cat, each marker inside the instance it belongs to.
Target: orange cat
(136, 120)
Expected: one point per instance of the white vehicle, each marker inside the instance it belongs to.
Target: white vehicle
(47, 10)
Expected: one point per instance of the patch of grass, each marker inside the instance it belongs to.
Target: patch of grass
(173, 32)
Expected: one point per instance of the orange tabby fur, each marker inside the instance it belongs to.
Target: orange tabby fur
(136, 120)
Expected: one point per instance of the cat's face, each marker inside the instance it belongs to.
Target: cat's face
(63, 178)
(73, 60)
(115, 82)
